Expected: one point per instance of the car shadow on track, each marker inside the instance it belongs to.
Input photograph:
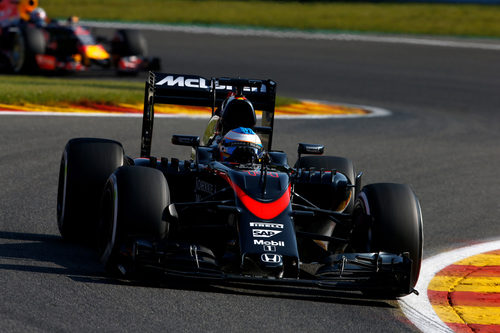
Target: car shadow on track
(50, 254)
(303, 294)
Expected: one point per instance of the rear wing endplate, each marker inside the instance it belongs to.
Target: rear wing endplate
(179, 89)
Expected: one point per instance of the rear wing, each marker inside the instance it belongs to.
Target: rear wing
(179, 89)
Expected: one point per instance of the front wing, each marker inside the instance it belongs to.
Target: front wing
(378, 271)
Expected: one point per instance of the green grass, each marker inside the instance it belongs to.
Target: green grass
(21, 90)
(435, 19)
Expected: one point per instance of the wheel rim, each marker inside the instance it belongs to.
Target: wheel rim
(364, 225)
(61, 192)
(18, 53)
(108, 221)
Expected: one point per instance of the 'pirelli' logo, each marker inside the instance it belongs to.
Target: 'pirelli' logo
(266, 225)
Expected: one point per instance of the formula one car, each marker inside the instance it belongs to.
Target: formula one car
(30, 42)
(237, 211)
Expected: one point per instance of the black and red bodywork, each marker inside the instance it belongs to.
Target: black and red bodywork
(264, 223)
(73, 47)
(66, 46)
(239, 214)
(248, 222)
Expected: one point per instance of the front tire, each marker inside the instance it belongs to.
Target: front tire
(388, 218)
(132, 206)
(85, 166)
(35, 44)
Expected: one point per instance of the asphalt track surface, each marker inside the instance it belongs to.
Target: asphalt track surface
(442, 138)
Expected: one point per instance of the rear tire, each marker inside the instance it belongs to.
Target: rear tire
(34, 44)
(132, 206)
(129, 43)
(85, 166)
(341, 164)
(388, 218)
(17, 54)
(321, 196)
(35, 40)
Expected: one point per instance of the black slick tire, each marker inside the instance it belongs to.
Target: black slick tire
(17, 53)
(341, 164)
(321, 195)
(34, 44)
(132, 206)
(85, 166)
(389, 219)
(129, 43)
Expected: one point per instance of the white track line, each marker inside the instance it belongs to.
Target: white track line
(488, 44)
(418, 308)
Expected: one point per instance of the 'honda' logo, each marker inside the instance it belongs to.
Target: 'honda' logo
(271, 258)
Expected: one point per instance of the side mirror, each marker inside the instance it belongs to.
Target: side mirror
(311, 149)
(186, 140)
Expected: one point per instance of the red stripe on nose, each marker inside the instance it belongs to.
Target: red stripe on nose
(263, 210)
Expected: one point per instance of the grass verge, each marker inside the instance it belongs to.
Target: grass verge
(408, 18)
(51, 91)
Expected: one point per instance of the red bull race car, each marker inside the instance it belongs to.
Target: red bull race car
(31, 42)
(237, 211)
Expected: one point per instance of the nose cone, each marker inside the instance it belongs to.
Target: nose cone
(96, 52)
(265, 264)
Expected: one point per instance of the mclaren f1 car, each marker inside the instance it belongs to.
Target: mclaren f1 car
(237, 210)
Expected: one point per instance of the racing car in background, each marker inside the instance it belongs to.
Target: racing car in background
(31, 42)
(237, 211)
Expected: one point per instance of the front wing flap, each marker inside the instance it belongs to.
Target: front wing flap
(345, 272)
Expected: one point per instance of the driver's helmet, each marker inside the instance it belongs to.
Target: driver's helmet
(25, 7)
(38, 16)
(73, 20)
(241, 145)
